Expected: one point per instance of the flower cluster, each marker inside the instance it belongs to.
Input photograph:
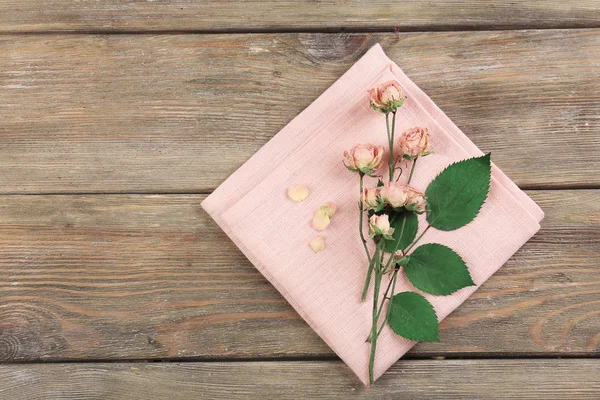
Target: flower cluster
(392, 210)
(396, 196)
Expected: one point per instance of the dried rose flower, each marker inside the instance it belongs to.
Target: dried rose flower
(370, 198)
(394, 194)
(364, 158)
(414, 142)
(317, 244)
(380, 225)
(387, 97)
(297, 192)
(416, 201)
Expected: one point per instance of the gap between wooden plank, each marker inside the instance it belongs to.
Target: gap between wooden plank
(363, 29)
(320, 358)
(207, 192)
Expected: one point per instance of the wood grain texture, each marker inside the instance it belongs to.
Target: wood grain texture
(423, 379)
(69, 15)
(179, 113)
(117, 277)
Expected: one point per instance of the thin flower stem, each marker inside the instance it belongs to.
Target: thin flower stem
(390, 131)
(385, 295)
(363, 296)
(411, 171)
(417, 239)
(360, 227)
(389, 308)
(384, 271)
(397, 244)
(377, 287)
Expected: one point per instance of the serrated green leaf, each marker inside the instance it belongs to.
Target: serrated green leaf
(413, 317)
(437, 269)
(456, 195)
(410, 230)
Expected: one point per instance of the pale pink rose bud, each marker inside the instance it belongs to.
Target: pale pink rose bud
(370, 197)
(386, 97)
(416, 201)
(414, 142)
(365, 158)
(394, 194)
(398, 255)
(297, 192)
(317, 244)
(380, 225)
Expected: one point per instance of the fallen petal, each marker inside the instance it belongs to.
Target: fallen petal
(320, 221)
(317, 244)
(297, 192)
(328, 208)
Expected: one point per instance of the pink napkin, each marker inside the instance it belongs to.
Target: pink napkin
(324, 288)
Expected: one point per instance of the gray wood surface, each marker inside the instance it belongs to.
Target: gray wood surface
(228, 15)
(117, 277)
(179, 113)
(423, 379)
(118, 117)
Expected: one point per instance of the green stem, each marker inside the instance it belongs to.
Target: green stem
(389, 308)
(391, 162)
(377, 287)
(416, 240)
(397, 244)
(363, 296)
(360, 226)
(384, 296)
(412, 169)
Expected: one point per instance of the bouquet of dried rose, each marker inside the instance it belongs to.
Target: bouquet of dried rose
(452, 200)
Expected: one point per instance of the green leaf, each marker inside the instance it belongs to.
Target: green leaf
(410, 230)
(413, 317)
(437, 269)
(456, 195)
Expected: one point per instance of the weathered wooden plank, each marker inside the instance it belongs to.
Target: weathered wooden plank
(152, 276)
(69, 15)
(179, 113)
(415, 379)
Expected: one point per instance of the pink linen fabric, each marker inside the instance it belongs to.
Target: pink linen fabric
(273, 232)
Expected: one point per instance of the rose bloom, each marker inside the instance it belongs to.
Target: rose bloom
(370, 197)
(380, 225)
(386, 97)
(394, 194)
(365, 158)
(414, 142)
(416, 201)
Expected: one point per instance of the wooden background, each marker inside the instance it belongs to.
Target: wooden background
(118, 117)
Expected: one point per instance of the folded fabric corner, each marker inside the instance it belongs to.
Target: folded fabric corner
(324, 287)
